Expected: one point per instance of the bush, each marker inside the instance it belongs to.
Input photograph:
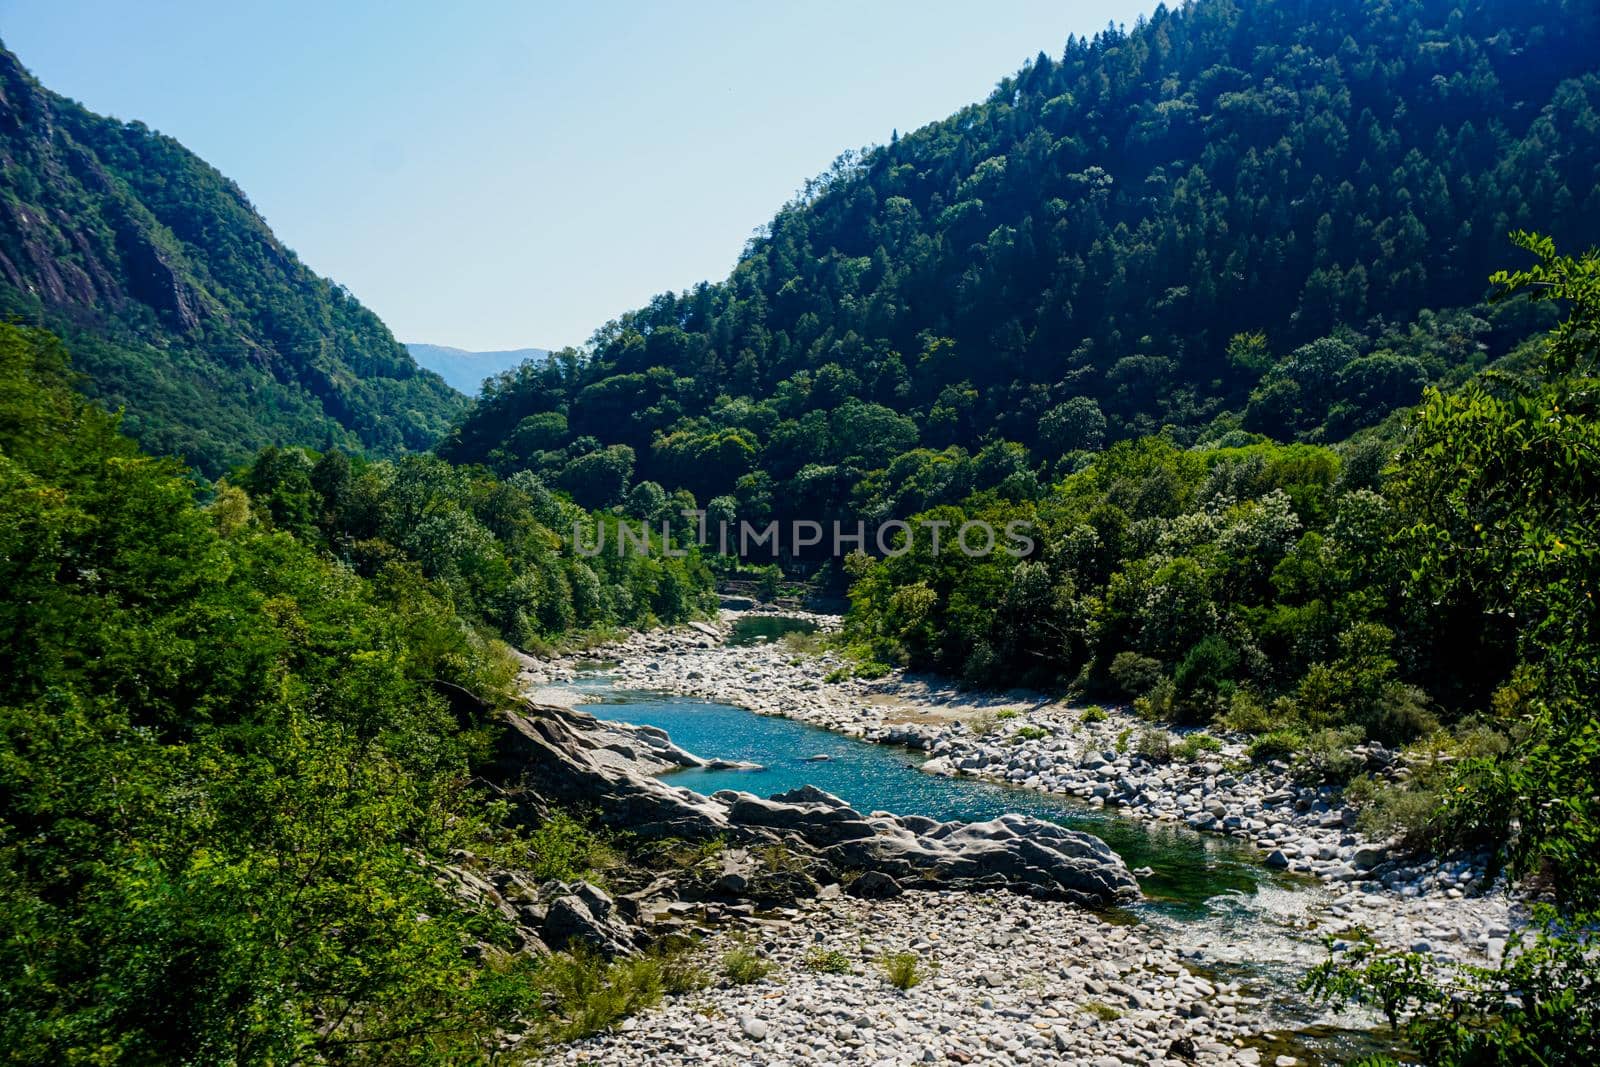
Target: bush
(902, 969)
(1275, 745)
(1541, 1005)
(1204, 680)
(1135, 674)
(564, 849)
(1092, 714)
(1247, 714)
(584, 993)
(872, 668)
(1160, 703)
(827, 961)
(1325, 756)
(742, 965)
(1153, 745)
(1030, 733)
(1406, 810)
(1194, 746)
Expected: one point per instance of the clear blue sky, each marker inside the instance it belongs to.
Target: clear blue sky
(502, 174)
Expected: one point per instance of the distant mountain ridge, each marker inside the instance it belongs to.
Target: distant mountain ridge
(465, 370)
(178, 302)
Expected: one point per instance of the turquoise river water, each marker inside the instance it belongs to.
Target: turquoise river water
(1209, 895)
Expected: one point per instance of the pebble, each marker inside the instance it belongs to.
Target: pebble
(1447, 907)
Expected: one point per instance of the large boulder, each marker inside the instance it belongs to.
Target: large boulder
(580, 914)
(570, 758)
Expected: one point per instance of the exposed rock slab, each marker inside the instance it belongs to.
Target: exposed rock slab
(570, 757)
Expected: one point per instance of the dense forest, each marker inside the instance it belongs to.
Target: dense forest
(1269, 216)
(1244, 310)
(1313, 596)
(180, 305)
(234, 765)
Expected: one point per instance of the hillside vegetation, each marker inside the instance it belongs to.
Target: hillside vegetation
(1240, 216)
(180, 304)
(234, 765)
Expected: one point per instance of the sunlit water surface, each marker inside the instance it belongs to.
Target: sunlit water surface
(1210, 896)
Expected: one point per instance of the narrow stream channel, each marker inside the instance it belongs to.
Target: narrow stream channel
(1209, 896)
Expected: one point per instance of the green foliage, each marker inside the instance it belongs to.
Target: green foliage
(828, 961)
(743, 965)
(1231, 217)
(1410, 811)
(232, 770)
(1153, 745)
(1541, 1005)
(181, 306)
(501, 549)
(903, 970)
(1092, 714)
(1195, 746)
(1324, 755)
(583, 994)
(564, 849)
(1276, 745)
(1500, 486)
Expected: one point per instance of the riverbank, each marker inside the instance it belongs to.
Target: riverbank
(1446, 908)
(1005, 978)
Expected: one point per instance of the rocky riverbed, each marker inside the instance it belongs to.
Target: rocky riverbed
(1007, 980)
(1445, 907)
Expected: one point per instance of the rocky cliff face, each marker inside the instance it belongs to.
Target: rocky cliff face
(180, 304)
(568, 757)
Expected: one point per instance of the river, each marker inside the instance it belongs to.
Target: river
(1208, 895)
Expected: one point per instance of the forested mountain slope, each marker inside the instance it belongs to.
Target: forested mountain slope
(1274, 216)
(178, 301)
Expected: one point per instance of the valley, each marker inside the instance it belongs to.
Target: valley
(1208, 900)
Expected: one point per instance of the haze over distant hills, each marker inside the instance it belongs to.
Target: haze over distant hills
(464, 370)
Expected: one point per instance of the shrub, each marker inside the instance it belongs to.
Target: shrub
(1406, 810)
(565, 849)
(1007, 713)
(827, 961)
(1135, 674)
(1160, 703)
(902, 969)
(1121, 743)
(742, 965)
(1194, 746)
(1325, 756)
(983, 724)
(584, 993)
(1275, 745)
(805, 644)
(1102, 1011)
(1092, 714)
(1030, 733)
(1153, 745)
(1541, 1005)
(1247, 714)
(1203, 682)
(778, 858)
